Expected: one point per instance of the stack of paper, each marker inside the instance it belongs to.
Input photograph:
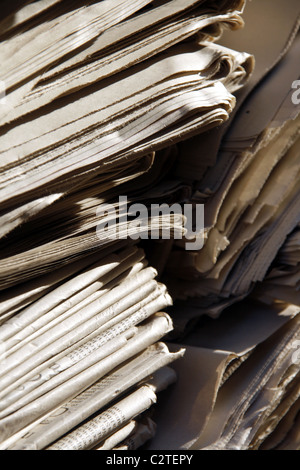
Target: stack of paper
(250, 195)
(81, 334)
(76, 123)
(174, 92)
(108, 109)
(239, 380)
(92, 95)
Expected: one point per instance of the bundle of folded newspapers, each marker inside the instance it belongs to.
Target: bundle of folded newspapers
(108, 110)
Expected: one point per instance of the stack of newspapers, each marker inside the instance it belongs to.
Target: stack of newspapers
(149, 224)
(237, 299)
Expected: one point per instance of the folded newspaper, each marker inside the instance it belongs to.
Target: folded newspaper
(128, 320)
